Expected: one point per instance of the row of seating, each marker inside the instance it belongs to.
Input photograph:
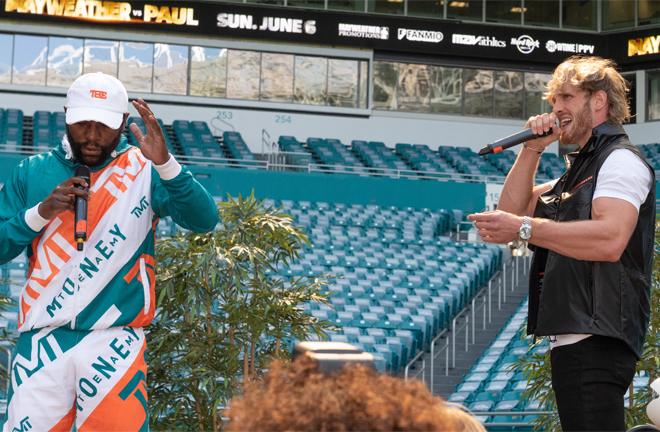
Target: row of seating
(143, 129)
(448, 160)
(493, 384)
(237, 146)
(401, 280)
(11, 128)
(48, 129)
(196, 139)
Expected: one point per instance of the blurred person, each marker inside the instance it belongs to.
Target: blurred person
(80, 356)
(357, 398)
(593, 232)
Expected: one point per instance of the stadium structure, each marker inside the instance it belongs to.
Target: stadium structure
(362, 118)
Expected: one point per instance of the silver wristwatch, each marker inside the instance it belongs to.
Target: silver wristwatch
(525, 230)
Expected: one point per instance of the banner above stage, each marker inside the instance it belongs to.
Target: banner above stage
(328, 28)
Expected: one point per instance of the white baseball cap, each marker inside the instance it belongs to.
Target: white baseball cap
(97, 97)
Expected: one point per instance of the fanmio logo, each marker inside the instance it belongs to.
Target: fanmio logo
(420, 35)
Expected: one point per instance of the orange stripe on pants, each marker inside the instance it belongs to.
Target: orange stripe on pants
(124, 408)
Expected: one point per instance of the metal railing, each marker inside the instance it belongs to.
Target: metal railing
(455, 331)
(509, 268)
(434, 355)
(412, 364)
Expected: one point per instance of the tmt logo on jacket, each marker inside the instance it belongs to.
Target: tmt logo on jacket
(97, 288)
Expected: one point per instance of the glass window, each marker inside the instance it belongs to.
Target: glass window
(267, 2)
(393, 7)
(100, 56)
(243, 69)
(64, 61)
(277, 77)
(506, 11)
(30, 55)
(170, 69)
(653, 94)
(342, 83)
(208, 72)
(136, 60)
(426, 8)
(471, 10)
(478, 92)
(649, 11)
(311, 80)
(310, 4)
(618, 13)
(508, 94)
(535, 86)
(414, 87)
(446, 90)
(6, 53)
(579, 14)
(364, 83)
(542, 13)
(386, 77)
(347, 5)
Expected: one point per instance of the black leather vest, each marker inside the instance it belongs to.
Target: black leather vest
(570, 296)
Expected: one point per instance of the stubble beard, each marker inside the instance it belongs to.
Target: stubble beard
(106, 150)
(582, 124)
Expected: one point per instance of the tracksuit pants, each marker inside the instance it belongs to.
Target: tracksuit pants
(93, 378)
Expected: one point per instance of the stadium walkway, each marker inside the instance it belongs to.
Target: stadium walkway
(444, 385)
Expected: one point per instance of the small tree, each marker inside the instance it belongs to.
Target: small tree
(537, 366)
(220, 316)
(7, 338)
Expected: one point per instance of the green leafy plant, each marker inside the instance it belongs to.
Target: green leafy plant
(7, 338)
(536, 367)
(221, 317)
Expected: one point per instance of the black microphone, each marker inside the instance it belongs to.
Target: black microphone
(81, 208)
(511, 140)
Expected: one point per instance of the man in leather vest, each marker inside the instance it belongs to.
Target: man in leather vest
(592, 231)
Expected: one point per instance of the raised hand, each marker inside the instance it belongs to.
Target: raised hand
(63, 198)
(543, 123)
(152, 145)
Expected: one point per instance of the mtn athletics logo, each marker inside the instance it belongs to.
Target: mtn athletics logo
(420, 35)
(525, 44)
(485, 41)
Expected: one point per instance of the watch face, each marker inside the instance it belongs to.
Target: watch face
(525, 233)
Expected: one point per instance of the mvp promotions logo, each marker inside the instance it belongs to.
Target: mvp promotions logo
(364, 31)
(420, 35)
(104, 11)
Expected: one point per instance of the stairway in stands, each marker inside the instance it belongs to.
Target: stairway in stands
(445, 385)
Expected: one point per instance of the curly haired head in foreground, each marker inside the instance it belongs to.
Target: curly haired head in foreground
(355, 399)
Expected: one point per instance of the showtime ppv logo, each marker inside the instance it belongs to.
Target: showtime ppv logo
(420, 35)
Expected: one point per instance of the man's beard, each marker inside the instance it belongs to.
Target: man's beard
(582, 124)
(92, 161)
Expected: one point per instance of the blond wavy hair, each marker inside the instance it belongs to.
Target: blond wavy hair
(354, 399)
(593, 74)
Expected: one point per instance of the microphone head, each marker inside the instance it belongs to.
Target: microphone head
(82, 171)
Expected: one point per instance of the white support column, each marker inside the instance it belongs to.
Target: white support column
(640, 94)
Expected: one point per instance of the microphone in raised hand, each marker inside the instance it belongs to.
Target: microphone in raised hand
(81, 208)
